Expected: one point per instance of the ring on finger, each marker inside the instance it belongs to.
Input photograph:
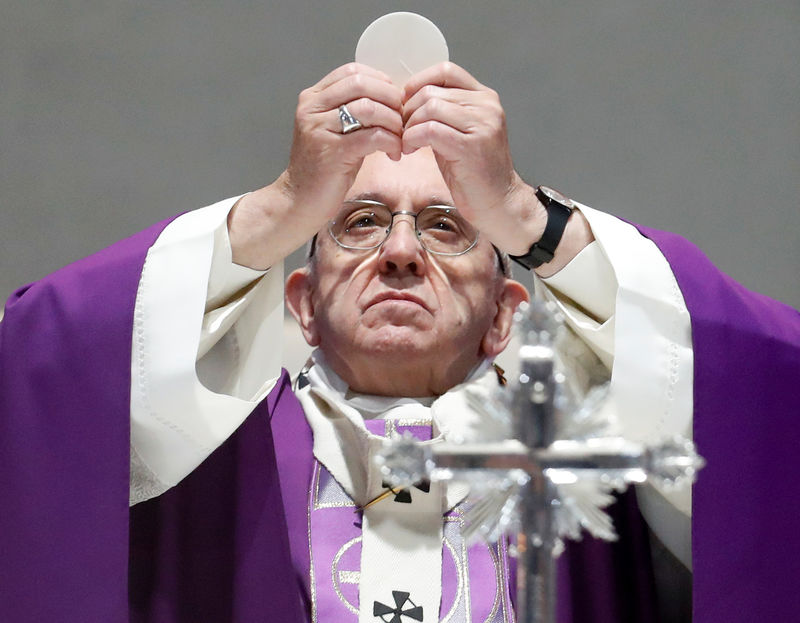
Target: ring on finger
(349, 122)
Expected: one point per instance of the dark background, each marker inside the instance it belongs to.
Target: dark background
(679, 115)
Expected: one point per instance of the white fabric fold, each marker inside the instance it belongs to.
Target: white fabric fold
(176, 419)
(646, 342)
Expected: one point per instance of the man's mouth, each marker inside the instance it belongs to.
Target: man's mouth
(397, 296)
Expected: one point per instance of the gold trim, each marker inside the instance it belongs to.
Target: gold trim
(462, 576)
(465, 558)
(508, 607)
(316, 504)
(309, 506)
(499, 595)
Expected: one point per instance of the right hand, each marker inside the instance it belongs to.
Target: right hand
(324, 162)
(322, 166)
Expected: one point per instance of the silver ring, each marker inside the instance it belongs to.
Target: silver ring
(349, 122)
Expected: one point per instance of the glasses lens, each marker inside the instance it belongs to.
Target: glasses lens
(361, 225)
(444, 230)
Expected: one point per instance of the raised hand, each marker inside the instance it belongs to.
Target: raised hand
(324, 161)
(267, 225)
(464, 123)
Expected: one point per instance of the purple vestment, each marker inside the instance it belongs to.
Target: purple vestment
(746, 503)
(222, 545)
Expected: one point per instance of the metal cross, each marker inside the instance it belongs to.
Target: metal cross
(550, 450)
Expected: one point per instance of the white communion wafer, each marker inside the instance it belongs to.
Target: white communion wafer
(401, 44)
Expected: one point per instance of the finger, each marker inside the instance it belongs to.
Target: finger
(365, 141)
(370, 114)
(354, 87)
(445, 75)
(457, 116)
(445, 140)
(350, 69)
(457, 96)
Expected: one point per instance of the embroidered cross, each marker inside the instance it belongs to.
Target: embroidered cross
(400, 600)
(404, 495)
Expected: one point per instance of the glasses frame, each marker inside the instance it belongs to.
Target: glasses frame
(391, 225)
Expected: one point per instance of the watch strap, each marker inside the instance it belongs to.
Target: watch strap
(544, 249)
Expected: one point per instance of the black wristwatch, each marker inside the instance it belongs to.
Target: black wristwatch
(558, 209)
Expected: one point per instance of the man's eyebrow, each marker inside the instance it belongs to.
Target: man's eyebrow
(432, 200)
(436, 200)
(368, 196)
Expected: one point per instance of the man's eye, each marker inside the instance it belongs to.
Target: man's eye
(361, 220)
(440, 224)
(443, 224)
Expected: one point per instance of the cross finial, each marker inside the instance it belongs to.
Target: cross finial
(551, 469)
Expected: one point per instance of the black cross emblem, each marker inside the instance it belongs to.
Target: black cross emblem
(404, 495)
(400, 599)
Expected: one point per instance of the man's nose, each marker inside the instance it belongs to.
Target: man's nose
(402, 252)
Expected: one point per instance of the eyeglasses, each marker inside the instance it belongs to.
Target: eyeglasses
(366, 224)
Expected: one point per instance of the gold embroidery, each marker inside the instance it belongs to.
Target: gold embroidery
(349, 577)
(336, 575)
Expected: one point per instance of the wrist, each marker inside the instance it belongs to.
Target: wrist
(255, 224)
(542, 251)
(528, 215)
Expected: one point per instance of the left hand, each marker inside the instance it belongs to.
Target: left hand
(464, 123)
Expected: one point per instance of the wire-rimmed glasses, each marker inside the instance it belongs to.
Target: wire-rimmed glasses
(365, 224)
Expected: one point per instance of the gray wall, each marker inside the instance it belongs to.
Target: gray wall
(679, 115)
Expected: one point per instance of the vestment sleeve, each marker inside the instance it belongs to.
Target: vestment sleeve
(621, 297)
(206, 348)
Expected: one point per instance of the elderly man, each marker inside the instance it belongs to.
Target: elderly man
(255, 506)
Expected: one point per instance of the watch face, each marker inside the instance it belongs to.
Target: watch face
(557, 196)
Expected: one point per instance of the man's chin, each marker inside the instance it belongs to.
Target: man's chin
(398, 340)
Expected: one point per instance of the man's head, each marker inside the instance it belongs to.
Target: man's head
(398, 320)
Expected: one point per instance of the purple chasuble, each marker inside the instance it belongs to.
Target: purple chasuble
(65, 347)
(746, 503)
(230, 542)
(213, 549)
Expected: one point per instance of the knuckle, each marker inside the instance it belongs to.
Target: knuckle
(430, 91)
(377, 137)
(433, 106)
(368, 107)
(304, 96)
(494, 123)
(429, 130)
(356, 81)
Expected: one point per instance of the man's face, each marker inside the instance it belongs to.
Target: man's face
(399, 305)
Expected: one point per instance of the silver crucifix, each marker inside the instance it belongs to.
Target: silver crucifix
(551, 467)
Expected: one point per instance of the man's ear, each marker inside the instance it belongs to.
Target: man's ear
(300, 304)
(511, 294)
